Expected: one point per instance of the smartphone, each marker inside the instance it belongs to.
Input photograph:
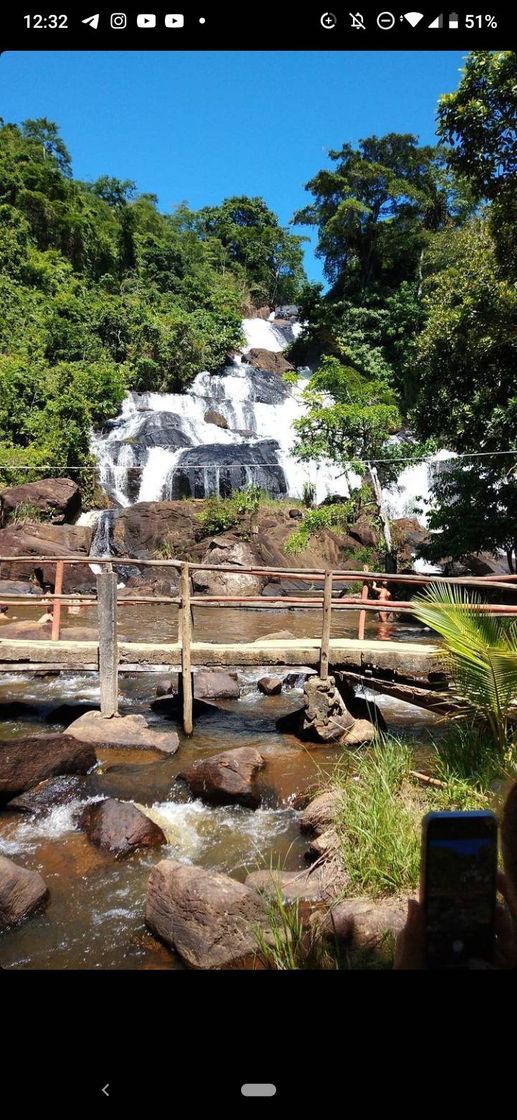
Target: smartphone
(458, 887)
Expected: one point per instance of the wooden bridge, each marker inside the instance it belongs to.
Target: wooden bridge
(398, 667)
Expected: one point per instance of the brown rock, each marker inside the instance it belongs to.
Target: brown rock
(270, 686)
(59, 497)
(268, 360)
(122, 731)
(22, 892)
(320, 813)
(27, 761)
(208, 918)
(362, 732)
(41, 539)
(226, 778)
(324, 845)
(47, 795)
(363, 922)
(324, 717)
(213, 417)
(215, 685)
(119, 827)
(363, 532)
(19, 587)
(291, 885)
(227, 549)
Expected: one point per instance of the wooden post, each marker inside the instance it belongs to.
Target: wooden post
(362, 614)
(325, 634)
(186, 638)
(56, 611)
(108, 645)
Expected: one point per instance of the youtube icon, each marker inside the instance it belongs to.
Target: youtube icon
(175, 21)
(146, 20)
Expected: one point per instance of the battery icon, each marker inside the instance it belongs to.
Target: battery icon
(453, 21)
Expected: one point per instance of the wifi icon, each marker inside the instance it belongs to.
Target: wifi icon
(413, 17)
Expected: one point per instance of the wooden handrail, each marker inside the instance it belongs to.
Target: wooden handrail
(339, 574)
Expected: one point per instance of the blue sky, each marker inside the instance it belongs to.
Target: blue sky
(200, 126)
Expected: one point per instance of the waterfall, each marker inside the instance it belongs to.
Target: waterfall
(229, 429)
(102, 540)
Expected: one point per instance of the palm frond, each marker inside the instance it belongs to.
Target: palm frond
(480, 650)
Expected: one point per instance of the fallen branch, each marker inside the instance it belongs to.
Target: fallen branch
(426, 780)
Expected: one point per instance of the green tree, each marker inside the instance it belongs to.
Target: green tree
(253, 239)
(348, 420)
(466, 399)
(373, 211)
(479, 121)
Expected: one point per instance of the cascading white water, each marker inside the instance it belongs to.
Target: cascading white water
(226, 431)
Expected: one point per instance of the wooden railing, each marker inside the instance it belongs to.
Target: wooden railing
(108, 602)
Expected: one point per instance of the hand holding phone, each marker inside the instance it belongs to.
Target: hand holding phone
(458, 888)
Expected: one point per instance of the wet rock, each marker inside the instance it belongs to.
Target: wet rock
(27, 761)
(362, 922)
(324, 717)
(297, 678)
(47, 795)
(268, 360)
(140, 529)
(213, 417)
(289, 312)
(296, 514)
(226, 778)
(320, 813)
(60, 498)
(270, 686)
(291, 885)
(119, 827)
(207, 918)
(215, 685)
(22, 892)
(122, 731)
(165, 688)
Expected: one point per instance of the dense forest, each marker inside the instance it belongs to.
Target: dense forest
(101, 293)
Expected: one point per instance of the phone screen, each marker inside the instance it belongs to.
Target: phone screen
(459, 892)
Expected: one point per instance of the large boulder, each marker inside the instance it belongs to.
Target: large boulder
(324, 717)
(226, 778)
(270, 686)
(22, 892)
(40, 540)
(228, 549)
(122, 731)
(207, 918)
(319, 814)
(214, 685)
(27, 761)
(60, 498)
(268, 360)
(303, 885)
(119, 827)
(362, 922)
(140, 529)
(48, 795)
(364, 533)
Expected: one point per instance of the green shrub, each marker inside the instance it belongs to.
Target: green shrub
(324, 517)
